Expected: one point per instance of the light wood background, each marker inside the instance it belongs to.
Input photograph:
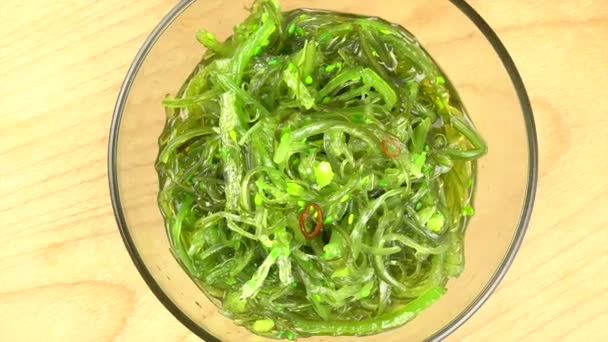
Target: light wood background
(65, 274)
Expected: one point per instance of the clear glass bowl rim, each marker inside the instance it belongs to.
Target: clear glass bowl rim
(441, 334)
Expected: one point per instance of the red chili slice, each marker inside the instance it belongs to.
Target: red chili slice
(302, 220)
(391, 146)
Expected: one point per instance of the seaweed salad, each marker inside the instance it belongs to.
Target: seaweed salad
(316, 174)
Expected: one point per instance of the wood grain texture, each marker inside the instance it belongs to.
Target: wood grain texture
(64, 272)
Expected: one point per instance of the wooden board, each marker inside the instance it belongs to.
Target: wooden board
(66, 276)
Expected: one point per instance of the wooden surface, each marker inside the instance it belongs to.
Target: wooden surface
(65, 274)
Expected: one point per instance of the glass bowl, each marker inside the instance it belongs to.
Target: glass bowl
(473, 58)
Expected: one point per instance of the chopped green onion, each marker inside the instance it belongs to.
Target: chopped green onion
(263, 325)
(323, 174)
